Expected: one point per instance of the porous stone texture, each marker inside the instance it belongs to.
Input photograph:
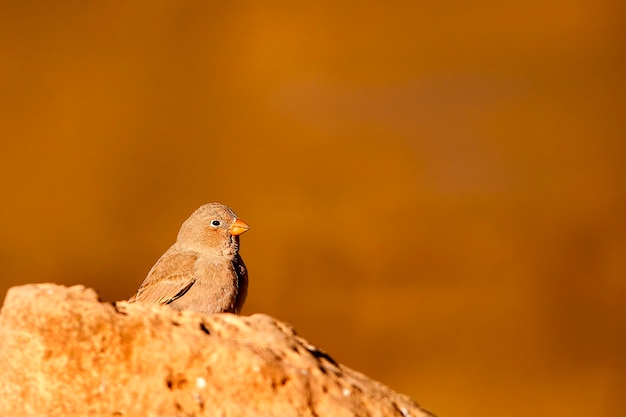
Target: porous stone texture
(65, 353)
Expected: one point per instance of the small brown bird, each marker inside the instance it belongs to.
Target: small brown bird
(202, 270)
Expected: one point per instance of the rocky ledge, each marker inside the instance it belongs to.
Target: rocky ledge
(63, 352)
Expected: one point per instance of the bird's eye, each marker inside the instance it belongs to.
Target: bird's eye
(216, 223)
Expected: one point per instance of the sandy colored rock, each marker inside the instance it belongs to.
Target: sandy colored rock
(65, 353)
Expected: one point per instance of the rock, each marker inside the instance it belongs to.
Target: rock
(65, 353)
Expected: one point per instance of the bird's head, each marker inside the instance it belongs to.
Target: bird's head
(213, 227)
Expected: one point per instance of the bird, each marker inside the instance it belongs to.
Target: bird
(202, 271)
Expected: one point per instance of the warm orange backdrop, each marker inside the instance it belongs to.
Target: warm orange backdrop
(436, 190)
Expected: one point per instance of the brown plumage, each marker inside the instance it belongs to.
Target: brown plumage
(202, 270)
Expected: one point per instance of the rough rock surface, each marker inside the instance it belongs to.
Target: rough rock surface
(65, 353)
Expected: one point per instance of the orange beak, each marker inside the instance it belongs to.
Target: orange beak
(238, 227)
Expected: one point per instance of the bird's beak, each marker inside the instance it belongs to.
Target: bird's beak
(238, 227)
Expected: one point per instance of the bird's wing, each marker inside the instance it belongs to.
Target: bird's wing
(242, 283)
(169, 279)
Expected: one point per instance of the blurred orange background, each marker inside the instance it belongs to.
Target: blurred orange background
(436, 191)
